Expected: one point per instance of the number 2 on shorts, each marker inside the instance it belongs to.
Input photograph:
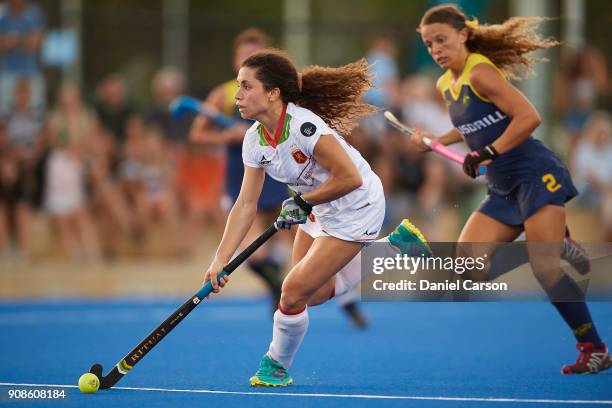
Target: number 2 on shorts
(551, 182)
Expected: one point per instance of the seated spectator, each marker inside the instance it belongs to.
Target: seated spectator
(592, 168)
(105, 199)
(168, 84)
(156, 200)
(71, 125)
(9, 195)
(427, 183)
(25, 152)
(199, 167)
(22, 24)
(581, 80)
(113, 108)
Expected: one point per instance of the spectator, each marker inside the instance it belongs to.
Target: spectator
(421, 105)
(157, 200)
(382, 54)
(8, 195)
(21, 30)
(22, 178)
(71, 126)
(426, 183)
(113, 108)
(129, 166)
(107, 202)
(581, 80)
(200, 168)
(592, 168)
(169, 83)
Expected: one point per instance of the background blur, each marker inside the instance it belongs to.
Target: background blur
(101, 192)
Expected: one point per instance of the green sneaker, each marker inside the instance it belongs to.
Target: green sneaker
(271, 373)
(409, 240)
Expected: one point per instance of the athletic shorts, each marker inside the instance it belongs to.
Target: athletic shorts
(552, 185)
(358, 225)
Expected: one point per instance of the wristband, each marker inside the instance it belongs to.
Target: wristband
(303, 204)
(492, 152)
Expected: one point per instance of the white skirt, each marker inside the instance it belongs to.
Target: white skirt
(360, 224)
(65, 188)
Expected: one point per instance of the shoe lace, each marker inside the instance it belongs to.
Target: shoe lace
(264, 366)
(568, 249)
(583, 357)
(267, 366)
(572, 250)
(413, 241)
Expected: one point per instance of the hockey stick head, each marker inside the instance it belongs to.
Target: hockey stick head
(96, 370)
(393, 121)
(184, 104)
(107, 381)
(172, 321)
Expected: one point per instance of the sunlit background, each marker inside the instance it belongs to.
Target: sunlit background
(102, 194)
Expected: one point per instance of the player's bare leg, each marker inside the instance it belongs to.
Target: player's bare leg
(310, 281)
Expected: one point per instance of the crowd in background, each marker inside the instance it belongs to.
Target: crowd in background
(106, 177)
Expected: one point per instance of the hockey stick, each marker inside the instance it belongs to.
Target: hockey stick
(153, 339)
(183, 104)
(432, 144)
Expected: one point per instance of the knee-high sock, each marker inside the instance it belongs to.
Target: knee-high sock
(287, 335)
(568, 299)
(578, 318)
(352, 296)
(506, 258)
(348, 277)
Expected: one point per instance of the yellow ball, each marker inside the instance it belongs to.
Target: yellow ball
(89, 383)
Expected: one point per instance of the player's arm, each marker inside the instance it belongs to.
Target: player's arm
(238, 223)
(242, 214)
(344, 176)
(202, 130)
(489, 83)
(451, 137)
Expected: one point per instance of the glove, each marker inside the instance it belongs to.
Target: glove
(295, 210)
(472, 160)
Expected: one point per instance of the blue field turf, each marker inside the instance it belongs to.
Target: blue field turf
(428, 352)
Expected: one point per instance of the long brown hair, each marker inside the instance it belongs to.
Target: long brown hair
(334, 94)
(507, 45)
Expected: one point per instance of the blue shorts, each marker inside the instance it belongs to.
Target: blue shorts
(552, 185)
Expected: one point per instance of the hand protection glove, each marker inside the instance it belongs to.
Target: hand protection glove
(295, 210)
(472, 160)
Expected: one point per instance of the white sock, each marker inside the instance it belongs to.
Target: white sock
(287, 335)
(351, 296)
(348, 277)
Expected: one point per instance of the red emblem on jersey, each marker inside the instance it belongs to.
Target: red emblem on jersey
(298, 156)
(311, 217)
